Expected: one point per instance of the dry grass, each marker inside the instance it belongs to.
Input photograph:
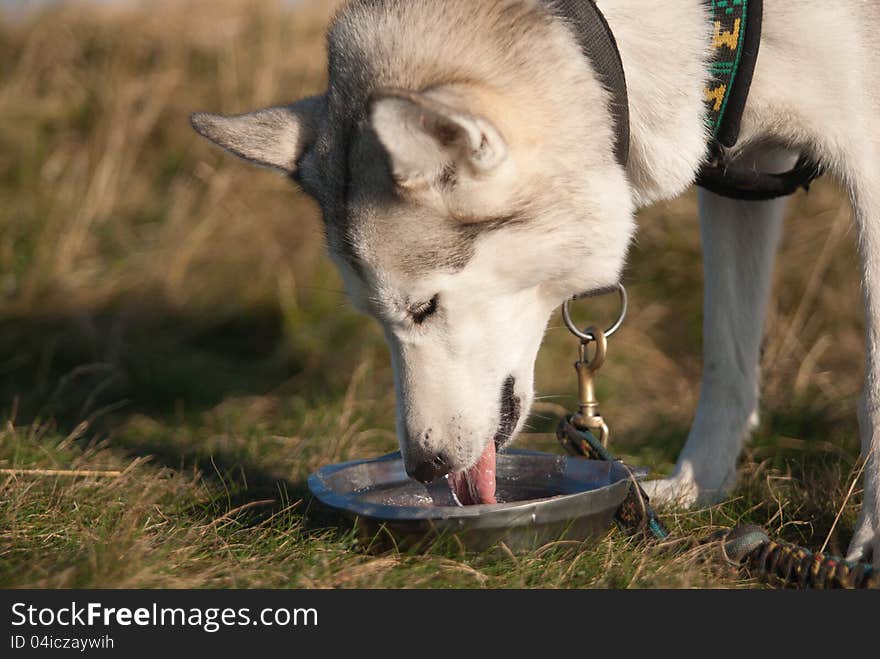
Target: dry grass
(168, 313)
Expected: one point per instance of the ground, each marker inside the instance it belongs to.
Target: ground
(168, 313)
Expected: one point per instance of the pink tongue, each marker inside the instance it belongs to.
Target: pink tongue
(477, 484)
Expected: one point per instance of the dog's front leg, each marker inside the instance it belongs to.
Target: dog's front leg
(865, 545)
(739, 245)
(865, 186)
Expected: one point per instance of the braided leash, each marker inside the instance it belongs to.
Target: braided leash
(635, 515)
(788, 564)
(746, 547)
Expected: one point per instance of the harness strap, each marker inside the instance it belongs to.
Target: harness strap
(600, 47)
(749, 185)
(736, 41)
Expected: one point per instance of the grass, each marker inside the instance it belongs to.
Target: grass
(167, 313)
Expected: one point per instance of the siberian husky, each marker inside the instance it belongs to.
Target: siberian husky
(462, 157)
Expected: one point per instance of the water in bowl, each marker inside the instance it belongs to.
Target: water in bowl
(410, 494)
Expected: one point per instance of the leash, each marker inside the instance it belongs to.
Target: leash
(746, 547)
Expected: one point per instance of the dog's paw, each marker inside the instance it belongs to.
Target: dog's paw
(672, 492)
(865, 545)
(681, 492)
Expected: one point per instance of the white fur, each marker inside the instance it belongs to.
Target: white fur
(739, 243)
(490, 183)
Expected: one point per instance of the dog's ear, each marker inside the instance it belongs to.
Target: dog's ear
(424, 138)
(275, 137)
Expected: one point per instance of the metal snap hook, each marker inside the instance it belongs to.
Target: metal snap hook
(586, 335)
(595, 362)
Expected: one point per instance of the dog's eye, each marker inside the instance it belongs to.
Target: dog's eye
(421, 312)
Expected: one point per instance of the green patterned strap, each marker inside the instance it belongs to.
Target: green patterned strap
(736, 38)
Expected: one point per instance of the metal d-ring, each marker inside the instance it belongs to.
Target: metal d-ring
(586, 336)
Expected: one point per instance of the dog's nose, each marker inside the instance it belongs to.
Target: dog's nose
(429, 469)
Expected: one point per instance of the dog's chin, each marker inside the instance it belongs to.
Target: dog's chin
(477, 485)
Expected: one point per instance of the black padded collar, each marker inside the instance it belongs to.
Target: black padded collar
(599, 46)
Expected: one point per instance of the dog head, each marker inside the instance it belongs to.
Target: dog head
(460, 217)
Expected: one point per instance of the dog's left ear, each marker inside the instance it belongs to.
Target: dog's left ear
(275, 137)
(424, 138)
